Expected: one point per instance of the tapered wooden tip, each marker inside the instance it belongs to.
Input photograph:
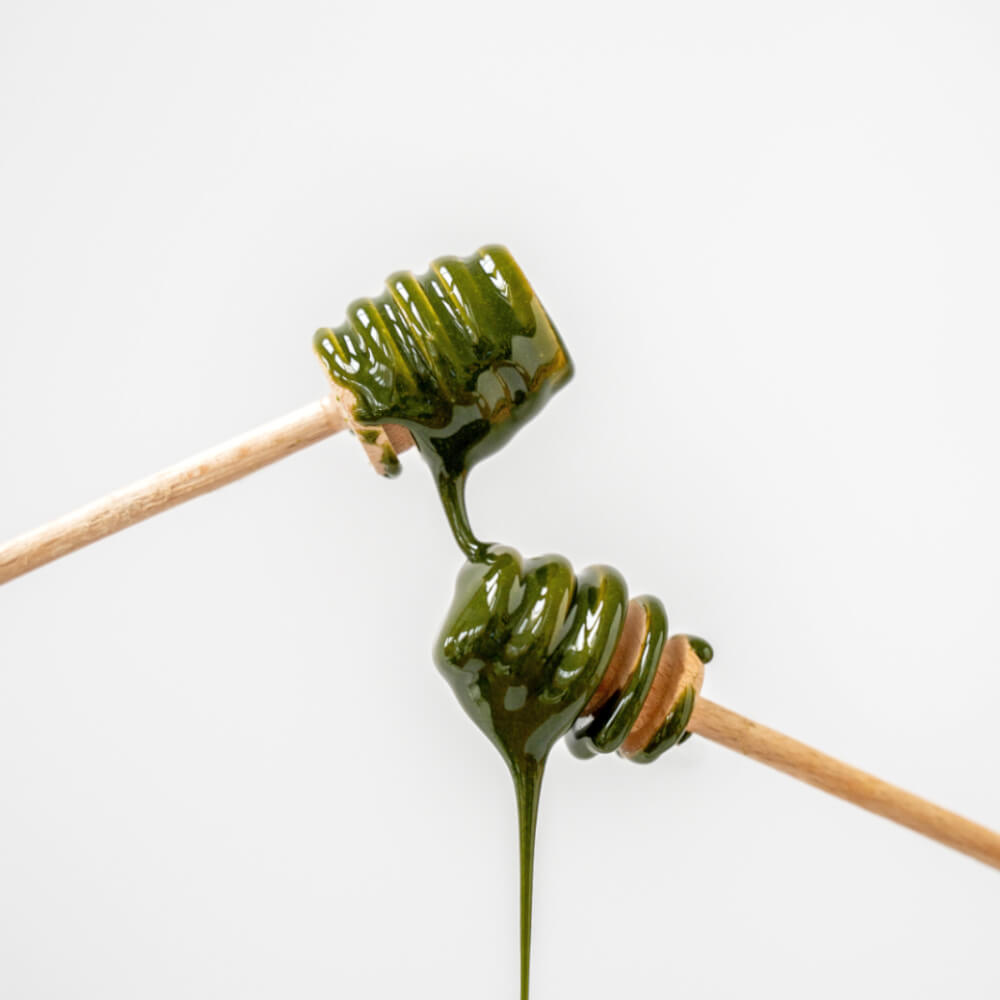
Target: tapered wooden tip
(382, 444)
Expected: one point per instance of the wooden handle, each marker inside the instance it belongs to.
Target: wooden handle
(200, 474)
(800, 761)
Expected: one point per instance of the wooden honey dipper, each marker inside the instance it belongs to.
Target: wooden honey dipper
(503, 394)
(534, 652)
(478, 349)
(194, 477)
(681, 670)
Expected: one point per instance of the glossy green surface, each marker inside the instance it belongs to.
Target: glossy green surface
(607, 728)
(524, 647)
(460, 356)
(526, 643)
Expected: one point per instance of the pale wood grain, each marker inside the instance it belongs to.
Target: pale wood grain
(191, 478)
(803, 762)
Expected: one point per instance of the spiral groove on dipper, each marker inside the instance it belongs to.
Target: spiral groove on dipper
(535, 652)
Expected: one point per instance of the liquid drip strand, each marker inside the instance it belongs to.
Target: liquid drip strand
(460, 357)
(526, 647)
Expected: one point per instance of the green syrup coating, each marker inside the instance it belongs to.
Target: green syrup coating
(460, 356)
(524, 647)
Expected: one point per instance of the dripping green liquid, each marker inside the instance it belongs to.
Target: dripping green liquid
(461, 357)
(524, 648)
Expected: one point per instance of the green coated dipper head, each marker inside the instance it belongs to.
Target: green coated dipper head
(458, 358)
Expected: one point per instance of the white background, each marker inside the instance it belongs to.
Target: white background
(768, 234)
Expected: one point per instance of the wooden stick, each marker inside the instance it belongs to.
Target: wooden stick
(800, 761)
(239, 457)
(200, 474)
